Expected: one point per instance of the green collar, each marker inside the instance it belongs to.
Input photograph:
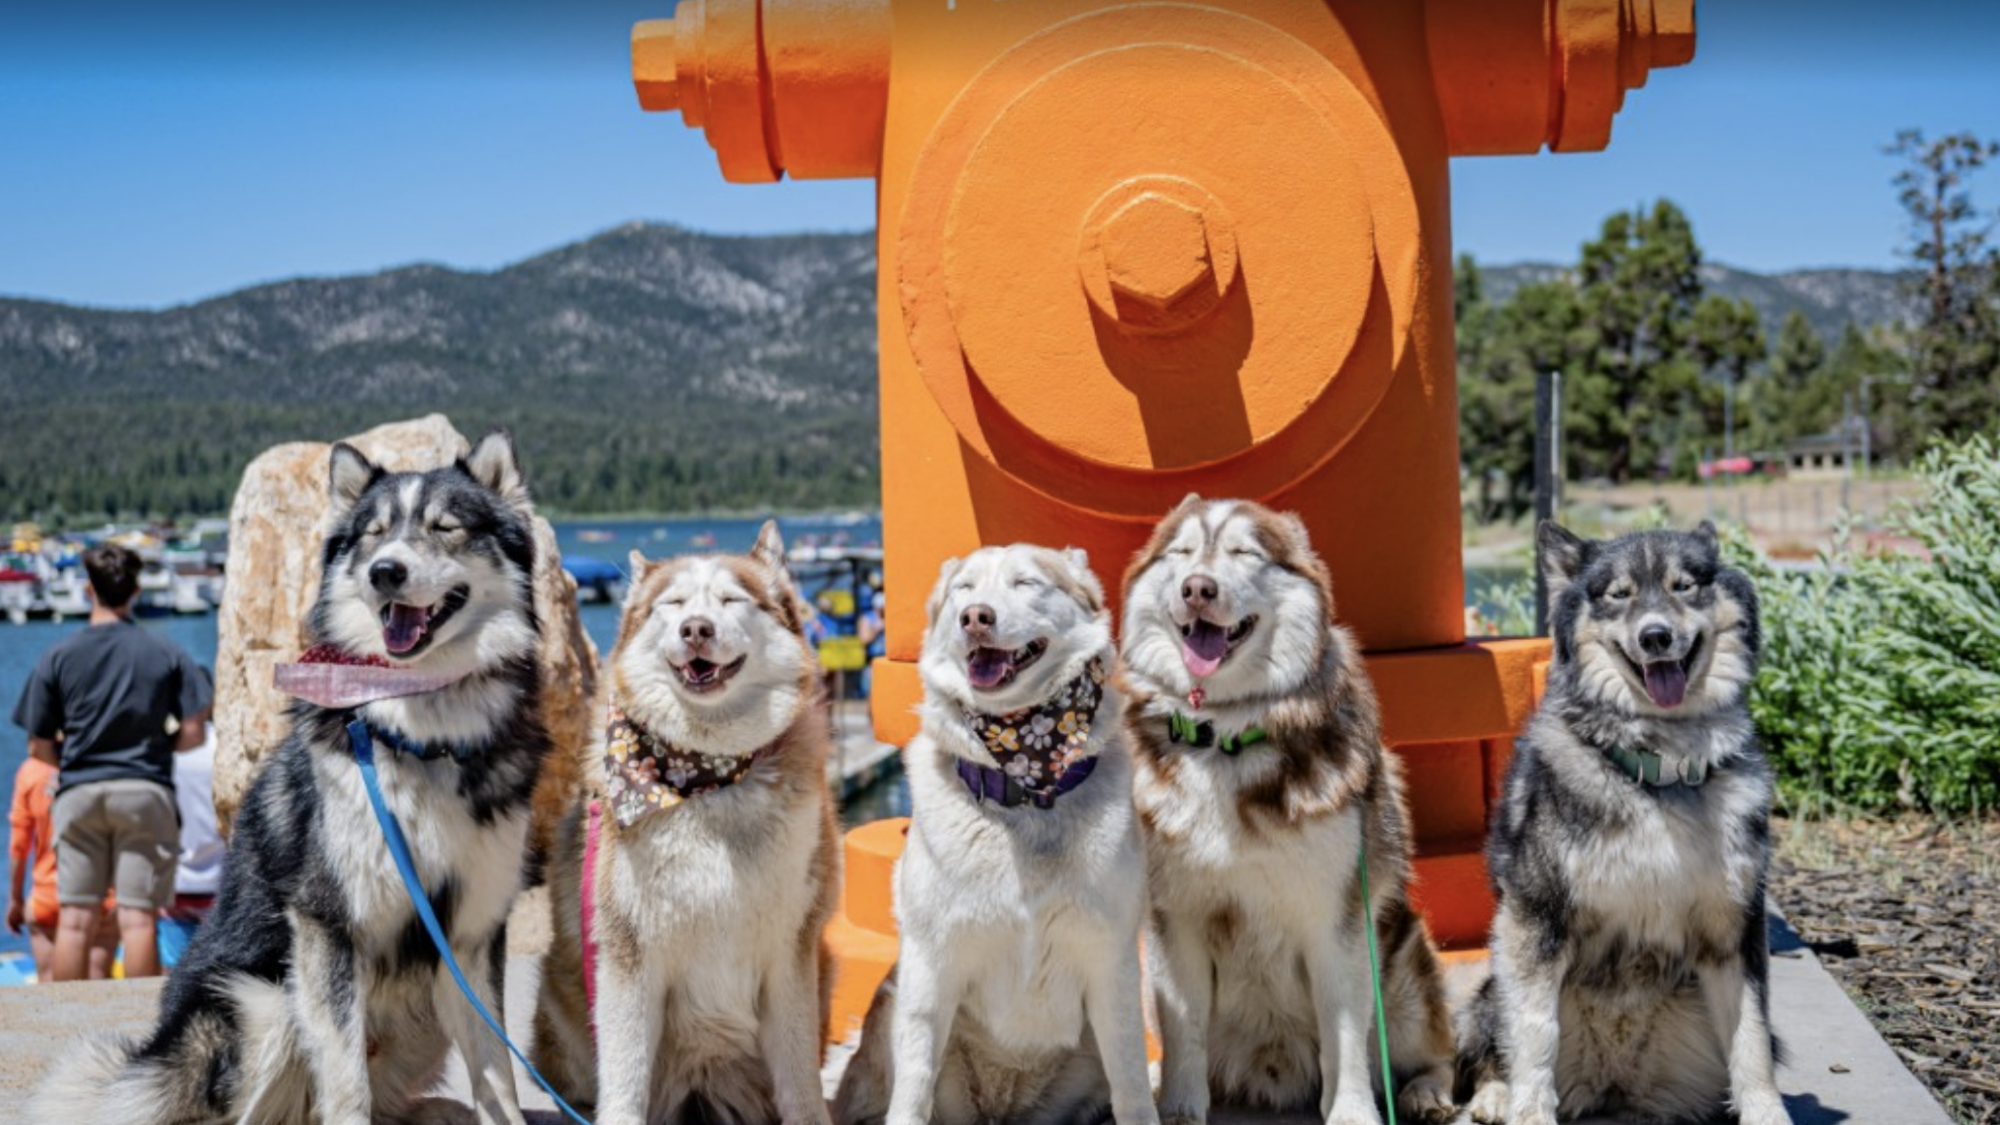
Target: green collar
(1200, 734)
(1649, 768)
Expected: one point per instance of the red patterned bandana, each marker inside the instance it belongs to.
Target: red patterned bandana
(329, 677)
(1036, 746)
(644, 774)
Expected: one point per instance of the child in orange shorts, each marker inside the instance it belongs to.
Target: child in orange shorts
(34, 828)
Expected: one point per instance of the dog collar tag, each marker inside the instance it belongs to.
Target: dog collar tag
(1197, 696)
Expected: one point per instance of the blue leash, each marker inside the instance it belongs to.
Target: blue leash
(399, 850)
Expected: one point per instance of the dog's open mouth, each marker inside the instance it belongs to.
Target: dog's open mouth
(1667, 680)
(407, 629)
(990, 668)
(1205, 645)
(703, 675)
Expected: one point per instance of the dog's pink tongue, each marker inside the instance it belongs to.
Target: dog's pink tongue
(404, 627)
(1666, 682)
(987, 667)
(1203, 647)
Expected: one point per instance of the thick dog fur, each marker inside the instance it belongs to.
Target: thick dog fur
(312, 993)
(1258, 949)
(1017, 994)
(1630, 965)
(712, 980)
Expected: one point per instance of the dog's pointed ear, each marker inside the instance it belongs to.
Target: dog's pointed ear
(349, 473)
(1188, 503)
(1705, 531)
(946, 574)
(1563, 555)
(1082, 580)
(770, 547)
(492, 463)
(635, 575)
(1293, 525)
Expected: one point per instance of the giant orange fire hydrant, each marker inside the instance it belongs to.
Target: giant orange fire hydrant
(1133, 250)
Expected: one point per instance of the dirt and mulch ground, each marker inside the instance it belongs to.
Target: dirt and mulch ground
(1906, 915)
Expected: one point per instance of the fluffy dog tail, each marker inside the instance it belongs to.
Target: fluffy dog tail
(96, 1083)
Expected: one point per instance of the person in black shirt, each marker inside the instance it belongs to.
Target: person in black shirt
(109, 706)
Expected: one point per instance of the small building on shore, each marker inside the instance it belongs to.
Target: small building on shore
(1827, 456)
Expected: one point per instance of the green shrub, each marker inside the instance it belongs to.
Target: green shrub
(1880, 686)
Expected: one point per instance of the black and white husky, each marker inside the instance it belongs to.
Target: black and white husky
(313, 993)
(1629, 852)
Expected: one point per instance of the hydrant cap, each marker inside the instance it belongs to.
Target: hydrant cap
(655, 66)
(1673, 32)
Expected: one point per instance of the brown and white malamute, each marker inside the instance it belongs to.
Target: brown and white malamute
(714, 861)
(1261, 773)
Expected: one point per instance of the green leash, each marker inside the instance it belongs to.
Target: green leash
(1375, 975)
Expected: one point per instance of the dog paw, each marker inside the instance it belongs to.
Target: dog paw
(1354, 1113)
(1426, 1098)
(1489, 1104)
(1765, 1110)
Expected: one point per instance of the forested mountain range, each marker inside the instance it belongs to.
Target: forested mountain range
(1829, 298)
(648, 368)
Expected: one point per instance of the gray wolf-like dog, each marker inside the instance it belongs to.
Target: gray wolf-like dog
(313, 993)
(1631, 972)
(717, 866)
(1261, 777)
(1016, 997)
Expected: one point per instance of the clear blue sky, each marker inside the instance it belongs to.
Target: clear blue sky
(159, 152)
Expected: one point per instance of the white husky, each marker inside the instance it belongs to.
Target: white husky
(1020, 893)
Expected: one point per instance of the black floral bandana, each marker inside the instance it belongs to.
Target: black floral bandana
(644, 775)
(1036, 746)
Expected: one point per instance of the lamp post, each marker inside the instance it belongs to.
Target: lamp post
(1866, 429)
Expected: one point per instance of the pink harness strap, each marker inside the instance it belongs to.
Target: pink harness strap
(590, 916)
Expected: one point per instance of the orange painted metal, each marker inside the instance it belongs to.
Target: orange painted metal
(1132, 250)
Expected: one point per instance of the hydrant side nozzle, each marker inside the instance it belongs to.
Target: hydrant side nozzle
(1514, 75)
(655, 66)
(1673, 32)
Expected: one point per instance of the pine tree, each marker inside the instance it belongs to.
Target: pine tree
(1955, 349)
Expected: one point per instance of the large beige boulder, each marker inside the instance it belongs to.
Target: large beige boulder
(276, 527)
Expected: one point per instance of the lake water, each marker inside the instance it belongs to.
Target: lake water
(607, 541)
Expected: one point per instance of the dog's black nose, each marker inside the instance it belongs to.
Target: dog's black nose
(977, 618)
(1198, 591)
(387, 575)
(697, 631)
(1655, 640)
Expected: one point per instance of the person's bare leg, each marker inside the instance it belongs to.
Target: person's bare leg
(74, 926)
(42, 945)
(140, 929)
(104, 946)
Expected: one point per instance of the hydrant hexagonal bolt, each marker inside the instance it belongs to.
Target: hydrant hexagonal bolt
(1155, 250)
(1156, 253)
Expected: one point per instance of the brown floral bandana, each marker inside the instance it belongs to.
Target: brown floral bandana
(1036, 746)
(643, 774)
